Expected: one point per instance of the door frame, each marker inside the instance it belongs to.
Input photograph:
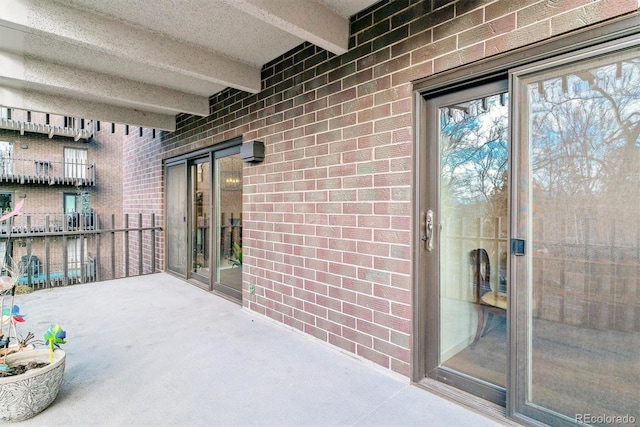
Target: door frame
(187, 160)
(182, 163)
(478, 73)
(430, 260)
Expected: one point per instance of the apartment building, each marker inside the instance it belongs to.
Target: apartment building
(67, 172)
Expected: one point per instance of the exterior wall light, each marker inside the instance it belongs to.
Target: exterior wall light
(252, 151)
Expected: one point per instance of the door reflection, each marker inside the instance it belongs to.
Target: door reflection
(201, 203)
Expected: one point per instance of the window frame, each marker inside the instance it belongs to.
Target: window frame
(76, 169)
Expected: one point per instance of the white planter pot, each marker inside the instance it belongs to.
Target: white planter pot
(26, 395)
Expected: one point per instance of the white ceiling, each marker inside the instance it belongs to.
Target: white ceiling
(141, 62)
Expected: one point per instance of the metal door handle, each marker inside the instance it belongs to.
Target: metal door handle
(428, 229)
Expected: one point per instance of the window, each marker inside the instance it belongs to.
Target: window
(42, 167)
(75, 163)
(5, 202)
(70, 202)
(3, 255)
(5, 206)
(6, 158)
(75, 249)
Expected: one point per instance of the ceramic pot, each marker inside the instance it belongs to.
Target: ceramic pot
(26, 395)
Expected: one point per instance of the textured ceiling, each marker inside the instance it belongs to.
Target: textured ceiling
(144, 61)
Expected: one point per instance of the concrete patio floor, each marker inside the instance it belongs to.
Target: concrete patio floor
(156, 351)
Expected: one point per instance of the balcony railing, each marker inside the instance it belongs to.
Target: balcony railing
(50, 130)
(36, 224)
(50, 172)
(57, 250)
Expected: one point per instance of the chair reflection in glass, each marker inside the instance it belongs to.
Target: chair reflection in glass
(488, 302)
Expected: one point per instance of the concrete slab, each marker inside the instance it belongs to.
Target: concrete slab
(156, 351)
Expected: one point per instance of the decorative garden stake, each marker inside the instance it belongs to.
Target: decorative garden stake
(15, 212)
(12, 316)
(54, 336)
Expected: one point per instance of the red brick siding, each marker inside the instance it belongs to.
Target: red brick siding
(143, 172)
(327, 215)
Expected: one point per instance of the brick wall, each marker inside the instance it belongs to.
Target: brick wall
(327, 215)
(143, 192)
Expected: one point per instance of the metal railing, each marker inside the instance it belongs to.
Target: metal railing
(73, 127)
(52, 172)
(78, 248)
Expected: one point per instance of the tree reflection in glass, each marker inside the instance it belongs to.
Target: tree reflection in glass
(473, 209)
(583, 129)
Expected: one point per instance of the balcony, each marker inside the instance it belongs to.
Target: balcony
(36, 224)
(47, 172)
(48, 250)
(47, 129)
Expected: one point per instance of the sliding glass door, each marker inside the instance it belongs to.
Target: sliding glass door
(529, 241)
(204, 219)
(200, 224)
(465, 236)
(176, 217)
(228, 274)
(578, 186)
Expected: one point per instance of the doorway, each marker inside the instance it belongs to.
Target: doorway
(465, 237)
(527, 250)
(204, 219)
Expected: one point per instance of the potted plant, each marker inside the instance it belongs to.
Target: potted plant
(30, 378)
(236, 261)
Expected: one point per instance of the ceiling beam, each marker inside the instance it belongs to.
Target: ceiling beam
(99, 33)
(51, 77)
(307, 20)
(30, 100)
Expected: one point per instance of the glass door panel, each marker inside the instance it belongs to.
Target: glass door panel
(228, 275)
(470, 240)
(578, 293)
(200, 220)
(176, 220)
(473, 239)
